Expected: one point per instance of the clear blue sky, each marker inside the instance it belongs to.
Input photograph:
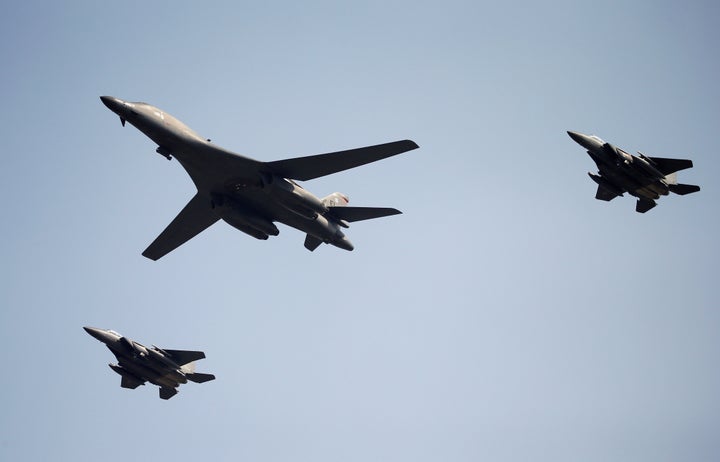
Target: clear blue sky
(506, 315)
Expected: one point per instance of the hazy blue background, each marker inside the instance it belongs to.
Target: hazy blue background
(506, 316)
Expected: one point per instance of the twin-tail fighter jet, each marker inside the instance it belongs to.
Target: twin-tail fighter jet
(251, 195)
(646, 178)
(138, 364)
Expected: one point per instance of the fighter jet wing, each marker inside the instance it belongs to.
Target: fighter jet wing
(307, 168)
(196, 217)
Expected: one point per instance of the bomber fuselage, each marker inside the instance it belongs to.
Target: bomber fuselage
(248, 204)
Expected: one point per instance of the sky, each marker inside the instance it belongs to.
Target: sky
(507, 315)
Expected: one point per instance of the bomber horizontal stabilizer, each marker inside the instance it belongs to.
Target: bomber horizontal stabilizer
(167, 393)
(182, 357)
(195, 218)
(198, 377)
(668, 166)
(643, 205)
(683, 189)
(307, 168)
(312, 242)
(351, 214)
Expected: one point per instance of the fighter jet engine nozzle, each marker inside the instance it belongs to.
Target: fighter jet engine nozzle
(293, 197)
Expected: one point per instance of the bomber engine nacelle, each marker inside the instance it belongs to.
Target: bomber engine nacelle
(245, 220)
(293, 197)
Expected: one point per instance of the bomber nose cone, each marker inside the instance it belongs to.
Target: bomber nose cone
(111, 102)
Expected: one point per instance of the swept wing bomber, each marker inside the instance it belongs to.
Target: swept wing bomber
(248, 194)
(138, 364)
(646, 178)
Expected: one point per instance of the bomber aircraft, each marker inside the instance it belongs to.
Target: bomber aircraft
(138, 364)
(251, 195)
(646, 178)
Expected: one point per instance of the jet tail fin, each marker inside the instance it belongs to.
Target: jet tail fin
(683, 189)
(307, 168)
(195, 218)
(351, 214)
(667, 166)
(198, 377)
(182, 357)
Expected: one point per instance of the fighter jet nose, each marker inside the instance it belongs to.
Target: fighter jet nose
(94, 331)
(575, 136)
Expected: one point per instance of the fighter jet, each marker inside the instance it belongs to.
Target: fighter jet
(138, 364)
(646, 178)
(251, 195)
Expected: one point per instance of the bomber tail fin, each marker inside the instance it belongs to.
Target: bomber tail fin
(683, 189)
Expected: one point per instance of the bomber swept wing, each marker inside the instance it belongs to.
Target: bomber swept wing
(310, 167)
(196, 217)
